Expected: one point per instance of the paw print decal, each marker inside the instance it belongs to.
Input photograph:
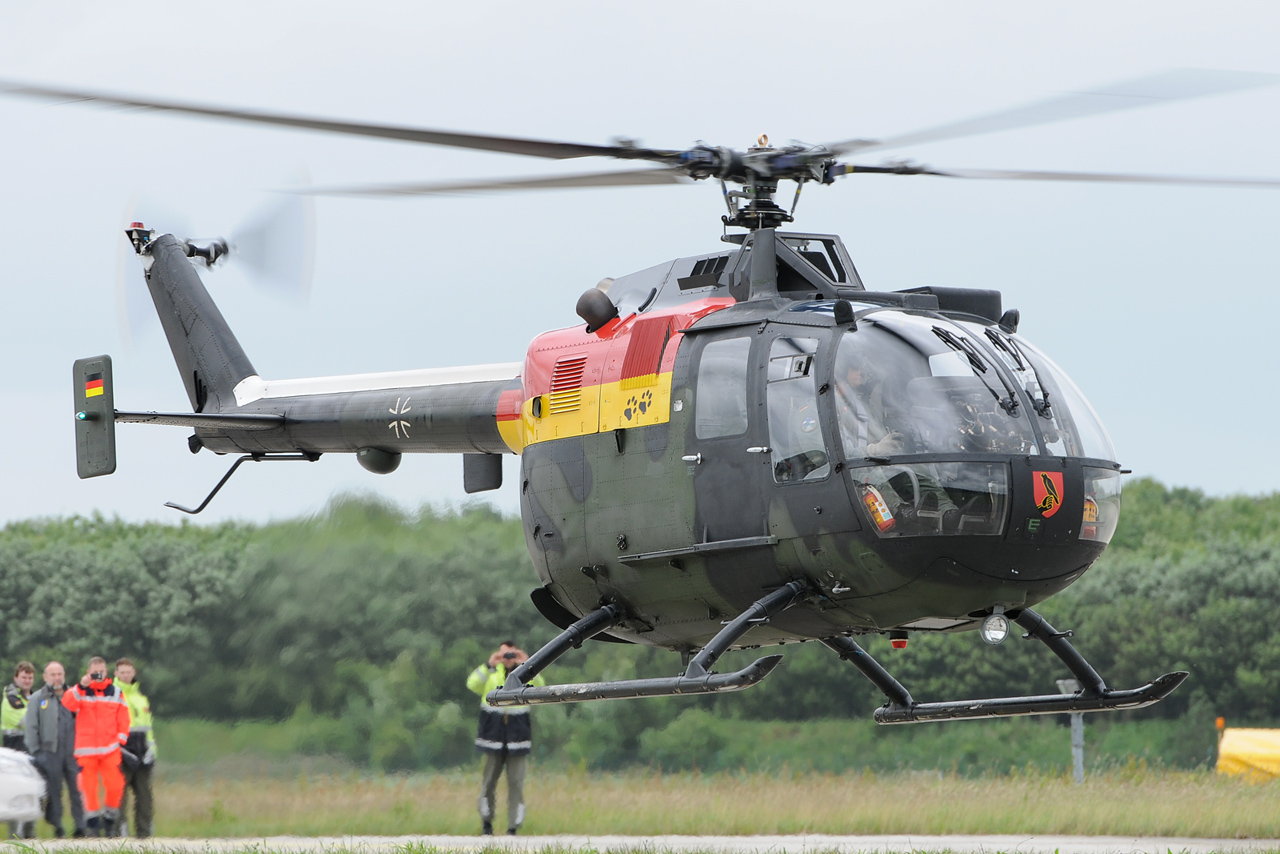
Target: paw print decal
(638, 405)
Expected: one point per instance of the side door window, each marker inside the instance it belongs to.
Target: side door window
(795, 427)
(726, 425)
(720, 396)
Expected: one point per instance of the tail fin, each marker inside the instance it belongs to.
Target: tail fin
(95, 399)
(210, 359)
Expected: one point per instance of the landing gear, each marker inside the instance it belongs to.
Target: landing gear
(697, 678)
(1093, 696)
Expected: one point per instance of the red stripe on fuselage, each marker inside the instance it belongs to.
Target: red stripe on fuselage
(509, 404)
(606, 348)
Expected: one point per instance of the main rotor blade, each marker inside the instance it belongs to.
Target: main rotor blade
(628, 178)
(481, 142)
(1163, 88)
(1103, 177)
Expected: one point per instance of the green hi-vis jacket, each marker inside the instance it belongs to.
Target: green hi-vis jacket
(501, 730)
(12, 709)
(142, 739)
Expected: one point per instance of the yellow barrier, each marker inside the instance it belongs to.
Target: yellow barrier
(1254, 753)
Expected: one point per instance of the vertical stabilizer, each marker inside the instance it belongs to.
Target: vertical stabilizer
(209, 358)
(94, 390)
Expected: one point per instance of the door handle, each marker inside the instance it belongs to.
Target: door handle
(759, 449)
(693, 458)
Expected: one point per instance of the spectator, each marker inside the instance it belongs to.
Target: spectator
(49, 729)
(505, 736)
(142, 745)
(12, 710)
(102, 728)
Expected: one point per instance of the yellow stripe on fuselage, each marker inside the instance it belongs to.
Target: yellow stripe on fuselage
(626, 404)
(610, 406)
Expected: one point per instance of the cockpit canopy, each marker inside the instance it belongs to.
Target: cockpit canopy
(909, 384)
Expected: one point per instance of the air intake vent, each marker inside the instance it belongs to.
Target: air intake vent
(566, 384)
(705, 274)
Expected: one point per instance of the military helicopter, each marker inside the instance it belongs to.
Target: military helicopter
(742, 448)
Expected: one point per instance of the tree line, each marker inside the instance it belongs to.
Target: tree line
(357, 628)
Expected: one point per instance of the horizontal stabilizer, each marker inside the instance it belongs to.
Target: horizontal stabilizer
(209, 421)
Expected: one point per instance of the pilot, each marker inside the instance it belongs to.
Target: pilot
(860, 399)
(867, 430)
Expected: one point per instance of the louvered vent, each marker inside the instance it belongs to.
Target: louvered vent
(644, 352)
(566, 384)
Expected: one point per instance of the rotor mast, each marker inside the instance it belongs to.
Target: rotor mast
(758, 171)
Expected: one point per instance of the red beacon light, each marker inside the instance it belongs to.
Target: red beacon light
(898, 640)
(139, 236)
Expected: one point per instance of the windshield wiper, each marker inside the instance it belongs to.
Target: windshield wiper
(1008, 351)
(963, 345)
(1011, 347)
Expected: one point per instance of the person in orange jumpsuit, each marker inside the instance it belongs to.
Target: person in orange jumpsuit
(102, 728)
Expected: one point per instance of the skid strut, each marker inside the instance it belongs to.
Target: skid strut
(697, 678)
(1093, 696)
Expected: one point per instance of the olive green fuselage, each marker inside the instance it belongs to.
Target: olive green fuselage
(686, 532)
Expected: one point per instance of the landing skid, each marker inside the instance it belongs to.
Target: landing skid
(1094, 695)
(697, 678)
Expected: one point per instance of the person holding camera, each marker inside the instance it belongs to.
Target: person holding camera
(505, 737)
(102, 729)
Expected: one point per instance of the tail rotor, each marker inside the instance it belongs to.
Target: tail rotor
(274, 246)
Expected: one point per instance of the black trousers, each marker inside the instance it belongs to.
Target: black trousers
(139, 782)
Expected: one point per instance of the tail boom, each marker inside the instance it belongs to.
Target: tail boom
(448, 410)
(449, 417)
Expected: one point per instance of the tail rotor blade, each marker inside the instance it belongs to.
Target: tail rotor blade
(276, 245)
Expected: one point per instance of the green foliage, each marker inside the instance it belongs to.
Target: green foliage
(352, 633)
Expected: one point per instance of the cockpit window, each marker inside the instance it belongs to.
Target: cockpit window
(795, 430)
(915, 385)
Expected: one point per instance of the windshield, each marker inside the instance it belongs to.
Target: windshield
(921, 385)
(1070, 426)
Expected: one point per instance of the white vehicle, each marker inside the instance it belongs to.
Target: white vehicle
(21, 787)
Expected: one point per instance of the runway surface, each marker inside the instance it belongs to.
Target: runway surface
(677, 844)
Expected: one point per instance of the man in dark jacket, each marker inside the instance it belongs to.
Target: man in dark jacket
(505, 737)
(50, 733)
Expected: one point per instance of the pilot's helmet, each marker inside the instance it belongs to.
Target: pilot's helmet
(857, 369)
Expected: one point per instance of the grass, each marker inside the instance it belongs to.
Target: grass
(1132, 801)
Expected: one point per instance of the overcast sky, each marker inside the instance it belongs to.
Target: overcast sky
(1159, 301)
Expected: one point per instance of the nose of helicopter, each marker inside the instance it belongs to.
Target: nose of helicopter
(964, 537)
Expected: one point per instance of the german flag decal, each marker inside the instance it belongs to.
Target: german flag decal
(93, 385)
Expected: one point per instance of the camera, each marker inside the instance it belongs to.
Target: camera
(508, 655)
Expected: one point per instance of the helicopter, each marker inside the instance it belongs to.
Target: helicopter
(743, 448)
